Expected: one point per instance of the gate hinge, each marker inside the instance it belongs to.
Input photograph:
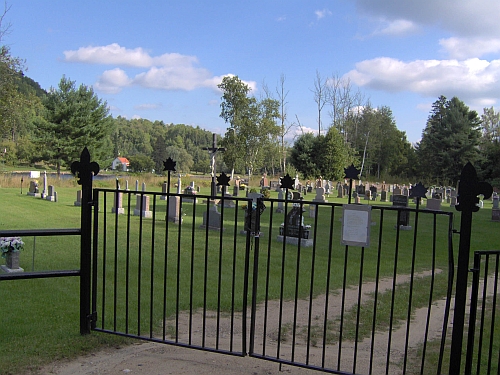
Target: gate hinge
(91, 203)
(92, 318)
(474, 270)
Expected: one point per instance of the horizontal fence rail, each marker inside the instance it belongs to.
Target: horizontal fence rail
(164, 272)
(40, 233)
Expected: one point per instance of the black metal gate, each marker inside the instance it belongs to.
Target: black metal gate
(164, 272)
(229, 275)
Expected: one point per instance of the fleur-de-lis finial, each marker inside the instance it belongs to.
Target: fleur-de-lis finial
(469, 188)
(84, 169)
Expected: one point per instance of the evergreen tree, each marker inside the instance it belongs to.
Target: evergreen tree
(449, 140)
(75, 118)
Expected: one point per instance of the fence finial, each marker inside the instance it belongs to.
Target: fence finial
(83, 169)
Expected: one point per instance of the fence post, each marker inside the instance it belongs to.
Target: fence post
(84, 170)
(468, 189)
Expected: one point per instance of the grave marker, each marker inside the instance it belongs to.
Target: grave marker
(403, 216)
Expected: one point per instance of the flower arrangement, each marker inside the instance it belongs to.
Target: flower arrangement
(10, 244)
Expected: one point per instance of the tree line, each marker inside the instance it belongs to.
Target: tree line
(53, 126)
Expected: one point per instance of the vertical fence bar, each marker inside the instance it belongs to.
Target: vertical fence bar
(468, 190)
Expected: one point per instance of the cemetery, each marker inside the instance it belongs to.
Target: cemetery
(125, 215)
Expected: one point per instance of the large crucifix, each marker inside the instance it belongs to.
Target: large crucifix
(213, 151)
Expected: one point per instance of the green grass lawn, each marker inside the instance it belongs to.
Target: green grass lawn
(39, 319)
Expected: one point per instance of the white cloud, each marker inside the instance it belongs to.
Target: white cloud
(112, 54)
(462, 48)
(474, 80)
(322, 13)
(170, 71)
(112, 81)
(397, 27)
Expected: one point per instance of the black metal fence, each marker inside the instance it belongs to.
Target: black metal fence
(287, 281)
(483, 351)
(315, 303)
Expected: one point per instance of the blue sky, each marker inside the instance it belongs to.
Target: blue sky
(162, 60)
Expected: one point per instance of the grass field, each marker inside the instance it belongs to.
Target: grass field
(39, 318)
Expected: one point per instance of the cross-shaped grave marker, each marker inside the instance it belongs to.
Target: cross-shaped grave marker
(213, 151)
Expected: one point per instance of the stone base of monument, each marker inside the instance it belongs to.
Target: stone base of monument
(36, 195)
(50, 198)
(147, 214)
(304, 242)
(119, 210)
(6, 269)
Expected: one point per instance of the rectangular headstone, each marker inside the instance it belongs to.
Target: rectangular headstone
(78, 201)
(403, 216)
(434, 204)
(118, 204)
(142, 209)
(174, 204)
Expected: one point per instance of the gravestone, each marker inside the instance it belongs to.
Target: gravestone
(434, 204)
(236, 190)
(227, 201)
(33, 189)
(179, 185)
(264, 182)
(396, 191)
(294, 229)
(52, 196)
(383, 193)
(78, 201)
(405, 191)
(142, 204)
(495, 200)
(383, 196)
(280, 209)
(368, 194)
(126, 185)
(340, 191)
(374, 192)
(328, 186)
(136, 186)
(164, 189)
(495, 214)
(118, 204)
(453, 198)
(296, 182)
(211, 217)
(403, 216)
(346, 189)
(320, 195)
(174, 210)
(189, 195)
(44, 191)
